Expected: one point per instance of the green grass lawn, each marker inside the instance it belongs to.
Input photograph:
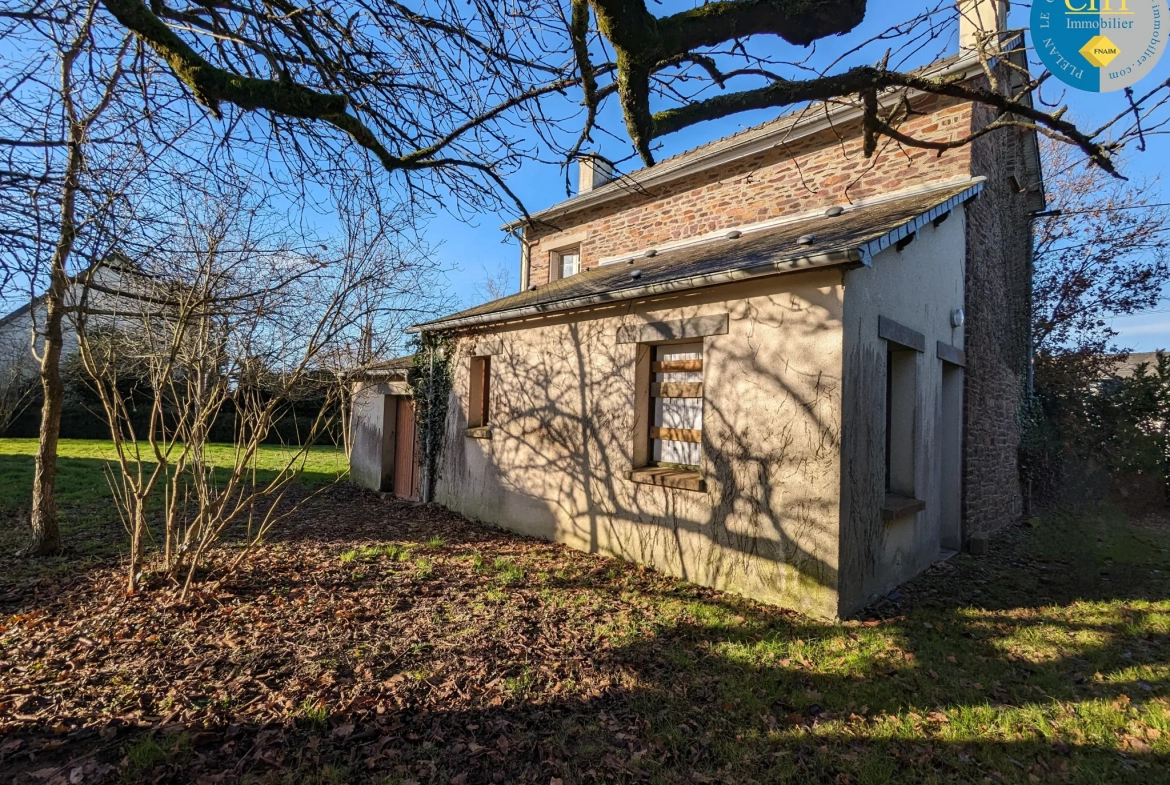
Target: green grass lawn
(89, 520)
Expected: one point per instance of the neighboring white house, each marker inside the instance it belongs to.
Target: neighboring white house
(100, 288)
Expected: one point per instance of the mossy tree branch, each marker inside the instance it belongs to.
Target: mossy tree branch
(210, 85)
(646, 44)
(285, 97)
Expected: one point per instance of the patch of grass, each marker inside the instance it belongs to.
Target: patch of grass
(518, 686)
(313, 714)
(424, 568)
(146, 753)
(142, 756)
(436, 542)
(90, 527)
(334, 775)
(507, 571)
(369, 553)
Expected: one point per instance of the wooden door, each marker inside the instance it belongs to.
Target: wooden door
(406, 452)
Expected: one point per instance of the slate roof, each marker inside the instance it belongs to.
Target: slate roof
(854, 237)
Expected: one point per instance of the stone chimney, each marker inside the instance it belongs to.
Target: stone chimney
(593, 172)
(981, 16)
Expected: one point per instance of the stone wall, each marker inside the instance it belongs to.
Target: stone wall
(814, 172)
(998, 302)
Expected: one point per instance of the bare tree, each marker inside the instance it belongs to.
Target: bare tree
(1100, 252)
(429, 93)
(87, 150)
(238, 318)
(496, 282)
(59, 123)
(335, 73)
(687, 61)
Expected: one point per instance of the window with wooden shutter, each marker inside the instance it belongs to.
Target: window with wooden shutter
(676, 398)
(564, 262)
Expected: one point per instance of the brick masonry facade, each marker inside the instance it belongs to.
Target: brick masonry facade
(826, 169)
(815, 172)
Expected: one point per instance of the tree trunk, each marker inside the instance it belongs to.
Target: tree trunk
(46, 536)
(137, 531)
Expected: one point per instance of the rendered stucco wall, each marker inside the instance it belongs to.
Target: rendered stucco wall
(562, 413)
(372, 433)
(917, 287)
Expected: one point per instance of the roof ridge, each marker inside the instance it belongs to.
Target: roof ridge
(677, 165)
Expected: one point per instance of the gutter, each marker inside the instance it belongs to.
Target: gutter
(830, 258)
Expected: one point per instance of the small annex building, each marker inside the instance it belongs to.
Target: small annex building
(384, 445)
(769, 365)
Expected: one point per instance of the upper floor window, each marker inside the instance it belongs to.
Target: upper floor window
(566, 262)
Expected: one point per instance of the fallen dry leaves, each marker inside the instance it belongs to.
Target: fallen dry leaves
(313, 661)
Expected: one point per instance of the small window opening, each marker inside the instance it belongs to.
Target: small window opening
(479, 400)
(901, 402)
(676, 398)
(565, 263)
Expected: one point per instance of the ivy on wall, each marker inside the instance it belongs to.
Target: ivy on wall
(431, 380)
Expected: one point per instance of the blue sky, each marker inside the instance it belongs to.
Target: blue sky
(475, 249)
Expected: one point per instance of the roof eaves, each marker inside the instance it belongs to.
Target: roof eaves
(785, 265)
(876, 246)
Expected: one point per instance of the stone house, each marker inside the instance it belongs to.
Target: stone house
(769, 364)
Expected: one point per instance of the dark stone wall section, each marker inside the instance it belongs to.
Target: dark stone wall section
(998, 297)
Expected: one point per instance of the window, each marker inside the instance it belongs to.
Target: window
(903, 347)
(566, 262)
(901, 403)
(479, 397)
(676, 398)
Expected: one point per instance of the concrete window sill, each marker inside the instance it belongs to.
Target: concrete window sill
(479, 433)
(896, 506)
(668, 478)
